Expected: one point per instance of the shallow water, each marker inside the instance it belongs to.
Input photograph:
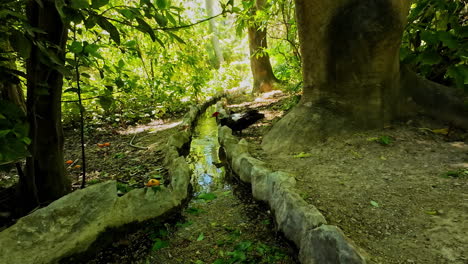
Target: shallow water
(203, 157)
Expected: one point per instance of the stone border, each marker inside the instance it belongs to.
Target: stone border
(70, 225)
(301, 222)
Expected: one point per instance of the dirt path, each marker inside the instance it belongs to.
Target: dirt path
(389, 190)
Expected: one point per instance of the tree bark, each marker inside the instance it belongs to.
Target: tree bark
(45, 167)
(11, 90)
(218, 53)
(262, 72)
(351, 70)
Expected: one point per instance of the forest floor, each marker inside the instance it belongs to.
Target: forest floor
(399, 193)
(224, 227)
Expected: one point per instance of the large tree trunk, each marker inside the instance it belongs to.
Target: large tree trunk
(218, 53)
(45, 167)
(262, 72)
(351, 70)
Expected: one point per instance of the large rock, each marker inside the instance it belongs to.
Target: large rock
(68, 225)
(328, 245)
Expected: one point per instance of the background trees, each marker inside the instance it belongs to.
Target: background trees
(148, 59)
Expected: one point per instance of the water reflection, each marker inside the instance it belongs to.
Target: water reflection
(204, 155)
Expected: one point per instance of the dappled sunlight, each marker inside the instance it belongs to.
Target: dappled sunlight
(459, 145)
(152, 127)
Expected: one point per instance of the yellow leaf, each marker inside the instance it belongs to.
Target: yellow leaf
(442, 131)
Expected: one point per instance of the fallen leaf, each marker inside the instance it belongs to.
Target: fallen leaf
(302, 155)
(200, 237)
(442, 131)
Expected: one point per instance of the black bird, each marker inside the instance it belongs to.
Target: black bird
(239, 121)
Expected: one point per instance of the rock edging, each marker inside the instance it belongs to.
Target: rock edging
(71, 224)
(302, 223)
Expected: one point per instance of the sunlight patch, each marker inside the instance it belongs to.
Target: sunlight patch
(152, 127)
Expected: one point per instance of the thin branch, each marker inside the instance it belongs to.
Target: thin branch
(83, 99)
(135, 146)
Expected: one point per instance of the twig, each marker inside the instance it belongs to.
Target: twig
(135, 146)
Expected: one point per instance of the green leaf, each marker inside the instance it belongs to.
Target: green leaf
(171, 18)
(91, 21)
(374, 203)
(71, 90)
(121, 63)
(302, 155)
(3, 133)
(76, 47)
(143, 26)
(430, 57)
(207, 196)
(26, 140)
(176, 37)
(109, 27)
(448, 39)
(127, 13)
(77, 4)
(201, 237)
(93, 50)
(161, 20)
(429, 37)
(194, 211)
(96, 4)
(161, 4)
(84, 74)
(158, 244)
(20, 44)
(106, 102)
(460, 74)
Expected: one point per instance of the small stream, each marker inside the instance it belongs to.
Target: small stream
(222, 224)
(208, 175)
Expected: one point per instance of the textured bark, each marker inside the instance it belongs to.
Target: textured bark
(11, 90)
(351, 70)
(218, 53)
(262, 71)
(45, 167)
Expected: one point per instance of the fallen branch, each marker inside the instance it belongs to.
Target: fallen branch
(135, 146)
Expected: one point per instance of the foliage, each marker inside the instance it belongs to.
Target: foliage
(456, 174)
(250, 252)
(13, 133)
(207, 196)
(435, 42)
(158, 233)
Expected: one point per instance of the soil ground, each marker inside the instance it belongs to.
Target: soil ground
(400, 193)
(231, 227)
(396, 201)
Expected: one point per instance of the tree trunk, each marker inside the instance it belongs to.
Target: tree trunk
(11, 90)
(351, 70)
(45, 167)
(218, 53)
(262, 72)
